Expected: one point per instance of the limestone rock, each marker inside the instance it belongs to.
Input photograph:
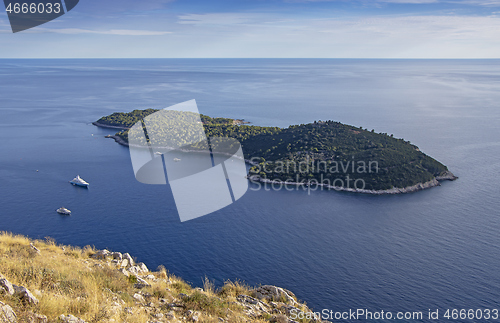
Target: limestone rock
(25, 295)
(141, 283)
(253, 307)
(447, 175)
(138, 297)
(124, 263)
(70, 319)
(101, 254)
(35, 249)
(6, 286)
(273, 293)
(247, 299)
(117, 255)
(129, 258)
(142, 267)
(7, 315)
(134, 270)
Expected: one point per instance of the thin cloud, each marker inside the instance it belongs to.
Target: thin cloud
(449, 27)
(410, 1)
(218, 18)
(119, 6)
(371, 1)
(485, 3)
(121, 32)
(421, 36)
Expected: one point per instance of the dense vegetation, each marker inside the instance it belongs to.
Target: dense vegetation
(324, 151)
(127, 120)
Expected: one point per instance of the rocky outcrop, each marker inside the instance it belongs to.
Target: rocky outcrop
(35, 249)
(6, 287)
(446, 176)
(25, 295)
(253, 307)
(101, 254)
(70, 319)
(273, 293)
(141, 283)
(117, 256)
(118, 140)
(273, 303)
(130, 260)
(279, 311)
(7, 315)
(102, 125)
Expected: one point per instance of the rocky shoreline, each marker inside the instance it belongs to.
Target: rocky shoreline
(395, 190)
(118, 140)
(102, 125)
(448, 176)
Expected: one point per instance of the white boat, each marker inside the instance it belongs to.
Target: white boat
(79, 181)
(177, 159)
(63, 210)
(157, 153)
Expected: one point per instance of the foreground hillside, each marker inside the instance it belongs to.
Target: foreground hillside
(41, 281)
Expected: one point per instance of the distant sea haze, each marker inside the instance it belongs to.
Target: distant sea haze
(433, 249)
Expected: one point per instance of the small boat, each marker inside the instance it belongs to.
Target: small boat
(177, 159)
(79, 181)
(157, 153)
(63, 211)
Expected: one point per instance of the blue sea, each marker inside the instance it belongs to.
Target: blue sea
(433, 249)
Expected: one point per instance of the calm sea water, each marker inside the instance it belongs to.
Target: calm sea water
(434, 249)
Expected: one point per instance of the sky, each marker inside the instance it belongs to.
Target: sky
(263, 29)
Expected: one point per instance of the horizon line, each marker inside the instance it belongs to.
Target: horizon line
(353, 58)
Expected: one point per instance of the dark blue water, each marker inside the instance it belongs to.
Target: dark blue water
(433, 249)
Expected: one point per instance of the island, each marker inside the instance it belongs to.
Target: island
(326, 154)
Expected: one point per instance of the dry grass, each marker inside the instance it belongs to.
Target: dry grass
(233, 289)
(67, 281)
(63, 279)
